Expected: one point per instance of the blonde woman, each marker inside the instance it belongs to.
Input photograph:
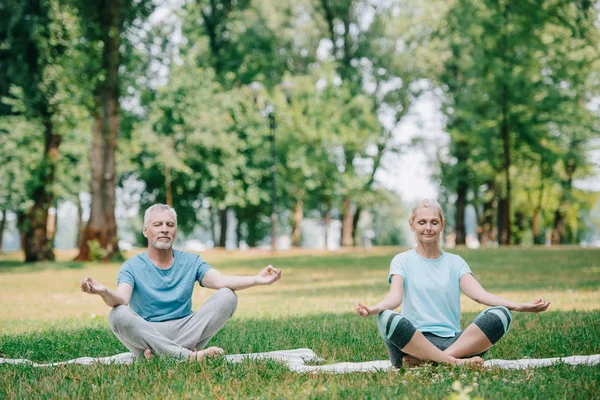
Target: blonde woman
(427, 281)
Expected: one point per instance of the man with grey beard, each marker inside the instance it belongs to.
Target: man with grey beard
(157, 285)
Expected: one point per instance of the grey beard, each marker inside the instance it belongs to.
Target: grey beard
(162, 246)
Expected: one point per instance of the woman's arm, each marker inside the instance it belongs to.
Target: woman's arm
(473, 289)
(390, 302)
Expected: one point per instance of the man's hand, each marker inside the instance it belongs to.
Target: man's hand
(268, 276)
(365, 311)
(540, 305)
(91, 286)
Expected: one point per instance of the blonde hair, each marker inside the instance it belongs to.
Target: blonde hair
(426, 203)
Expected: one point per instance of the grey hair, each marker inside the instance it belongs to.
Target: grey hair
(159, 207)
(426, 203)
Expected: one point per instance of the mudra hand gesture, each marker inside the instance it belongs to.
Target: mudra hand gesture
(268, 275)
(365, 311)
(91, 286)
(537, 306)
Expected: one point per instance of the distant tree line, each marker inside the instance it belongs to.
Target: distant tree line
(94, 94)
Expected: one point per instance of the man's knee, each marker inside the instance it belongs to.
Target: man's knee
(494, 322)
(395, 328)
(228, 298)
(118, 316)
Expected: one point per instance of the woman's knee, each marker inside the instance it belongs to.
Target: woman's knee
(394, 328)
(494, 322)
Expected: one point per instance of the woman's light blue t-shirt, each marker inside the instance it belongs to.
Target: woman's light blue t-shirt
(162, 294)
(431, 290)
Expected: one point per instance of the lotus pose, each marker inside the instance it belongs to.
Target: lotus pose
(427, 282)
(158, 284)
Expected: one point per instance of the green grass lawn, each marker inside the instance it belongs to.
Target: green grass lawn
(45, 318)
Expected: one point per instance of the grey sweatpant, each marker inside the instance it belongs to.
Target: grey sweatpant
(175, 338)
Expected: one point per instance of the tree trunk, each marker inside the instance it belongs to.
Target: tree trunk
(36, 245)
(168, 190)
(213, 224)
(461, 203)
(223, 235)
(238, 232)
(2, 227)
(347, 223)
(538, 208)
(52, 225)
(504, 218)
(79, 222)
(486, 225)
(102, 226)
(535, 227)
(326, 222)
(355, 220)
(297, 219)
(559, 229)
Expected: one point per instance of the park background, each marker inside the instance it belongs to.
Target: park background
(324, 119)
(299, 133)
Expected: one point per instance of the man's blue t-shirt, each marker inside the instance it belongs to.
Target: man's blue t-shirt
(162, 294)
(431, 290)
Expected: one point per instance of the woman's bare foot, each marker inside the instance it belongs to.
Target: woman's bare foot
(147, 354)
(475, 361)
(209, 352)
(411, 361)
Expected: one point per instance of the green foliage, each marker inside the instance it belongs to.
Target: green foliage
(341, 75)
(20, 152)
(97, 252)
(519, 68)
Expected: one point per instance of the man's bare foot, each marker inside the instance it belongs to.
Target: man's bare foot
(147, 354)
(474, 361)
(209, 352)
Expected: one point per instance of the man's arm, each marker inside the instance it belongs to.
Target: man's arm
(121, 296)
(214, 279)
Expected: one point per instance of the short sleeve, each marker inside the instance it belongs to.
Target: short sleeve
(463, 268)
(397, 268)
(126, 275)
(201, 268)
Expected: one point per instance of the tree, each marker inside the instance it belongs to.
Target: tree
(104, 24)
(20, 150)
(507, 105)
(368, 61)
(38, 50)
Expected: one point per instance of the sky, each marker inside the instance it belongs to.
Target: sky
(410, 173)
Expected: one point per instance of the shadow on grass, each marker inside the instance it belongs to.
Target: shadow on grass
(21, 266)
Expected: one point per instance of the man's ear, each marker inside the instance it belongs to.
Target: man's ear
(145, 232)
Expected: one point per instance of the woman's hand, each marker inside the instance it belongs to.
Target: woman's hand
(365, 311)
(537, 306)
